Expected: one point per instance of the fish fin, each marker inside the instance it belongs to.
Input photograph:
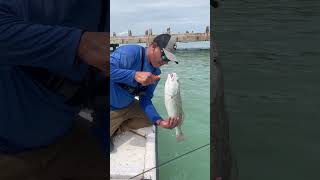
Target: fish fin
(180, 137)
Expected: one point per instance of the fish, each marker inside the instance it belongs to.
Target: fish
(173, 103)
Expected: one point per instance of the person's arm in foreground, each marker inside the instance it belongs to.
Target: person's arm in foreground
(52, 47)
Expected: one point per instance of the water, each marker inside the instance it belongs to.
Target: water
(189, 45)
(193, 71)
(270, 55)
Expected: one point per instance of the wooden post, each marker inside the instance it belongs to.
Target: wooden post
(149, 37)
(207, 29)
(168, 30)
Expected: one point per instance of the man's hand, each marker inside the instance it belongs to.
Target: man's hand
(146, 78)
(169, 123)
(94, 50)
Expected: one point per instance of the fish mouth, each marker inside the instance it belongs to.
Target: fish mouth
(172, 76)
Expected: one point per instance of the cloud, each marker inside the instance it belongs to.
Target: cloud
(124, 33)
(140, 15)
(174, 4)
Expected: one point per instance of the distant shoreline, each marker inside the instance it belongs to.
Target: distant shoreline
(201, 45)
(193, 49)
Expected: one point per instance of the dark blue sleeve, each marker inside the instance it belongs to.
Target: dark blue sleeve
(25, 43)
(146, 103)
(120, 65)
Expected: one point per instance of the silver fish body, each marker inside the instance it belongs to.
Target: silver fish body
(173, 104)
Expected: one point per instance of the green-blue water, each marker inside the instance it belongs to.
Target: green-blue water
(270, 55)
(193, 71)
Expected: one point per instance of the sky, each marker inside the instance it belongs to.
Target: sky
(140, 15)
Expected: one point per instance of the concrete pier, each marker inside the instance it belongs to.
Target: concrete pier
(148, 37)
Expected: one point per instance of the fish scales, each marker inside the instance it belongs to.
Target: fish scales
(173, 103)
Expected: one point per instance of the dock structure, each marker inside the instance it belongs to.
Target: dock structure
(149, 36)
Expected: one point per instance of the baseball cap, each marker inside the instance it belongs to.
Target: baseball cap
(167, 45)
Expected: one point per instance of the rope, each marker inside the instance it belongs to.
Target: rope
(171, 160)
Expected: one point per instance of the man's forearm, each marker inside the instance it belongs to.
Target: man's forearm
(94, 50)
(149, 109)
(124, 76)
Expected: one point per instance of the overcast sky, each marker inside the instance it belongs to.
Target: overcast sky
(139, 15)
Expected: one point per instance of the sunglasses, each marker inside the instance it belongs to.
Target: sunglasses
(164, 57)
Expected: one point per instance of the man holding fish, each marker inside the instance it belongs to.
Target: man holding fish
(134, 72)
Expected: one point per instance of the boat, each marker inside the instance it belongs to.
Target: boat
(134, 155)
(135, 152)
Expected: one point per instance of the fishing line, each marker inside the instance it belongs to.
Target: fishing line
(172, 160)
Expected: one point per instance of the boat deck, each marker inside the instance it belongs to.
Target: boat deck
(134, 152)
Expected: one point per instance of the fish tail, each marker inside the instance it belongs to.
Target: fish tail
(179, 134)
(180, 137)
